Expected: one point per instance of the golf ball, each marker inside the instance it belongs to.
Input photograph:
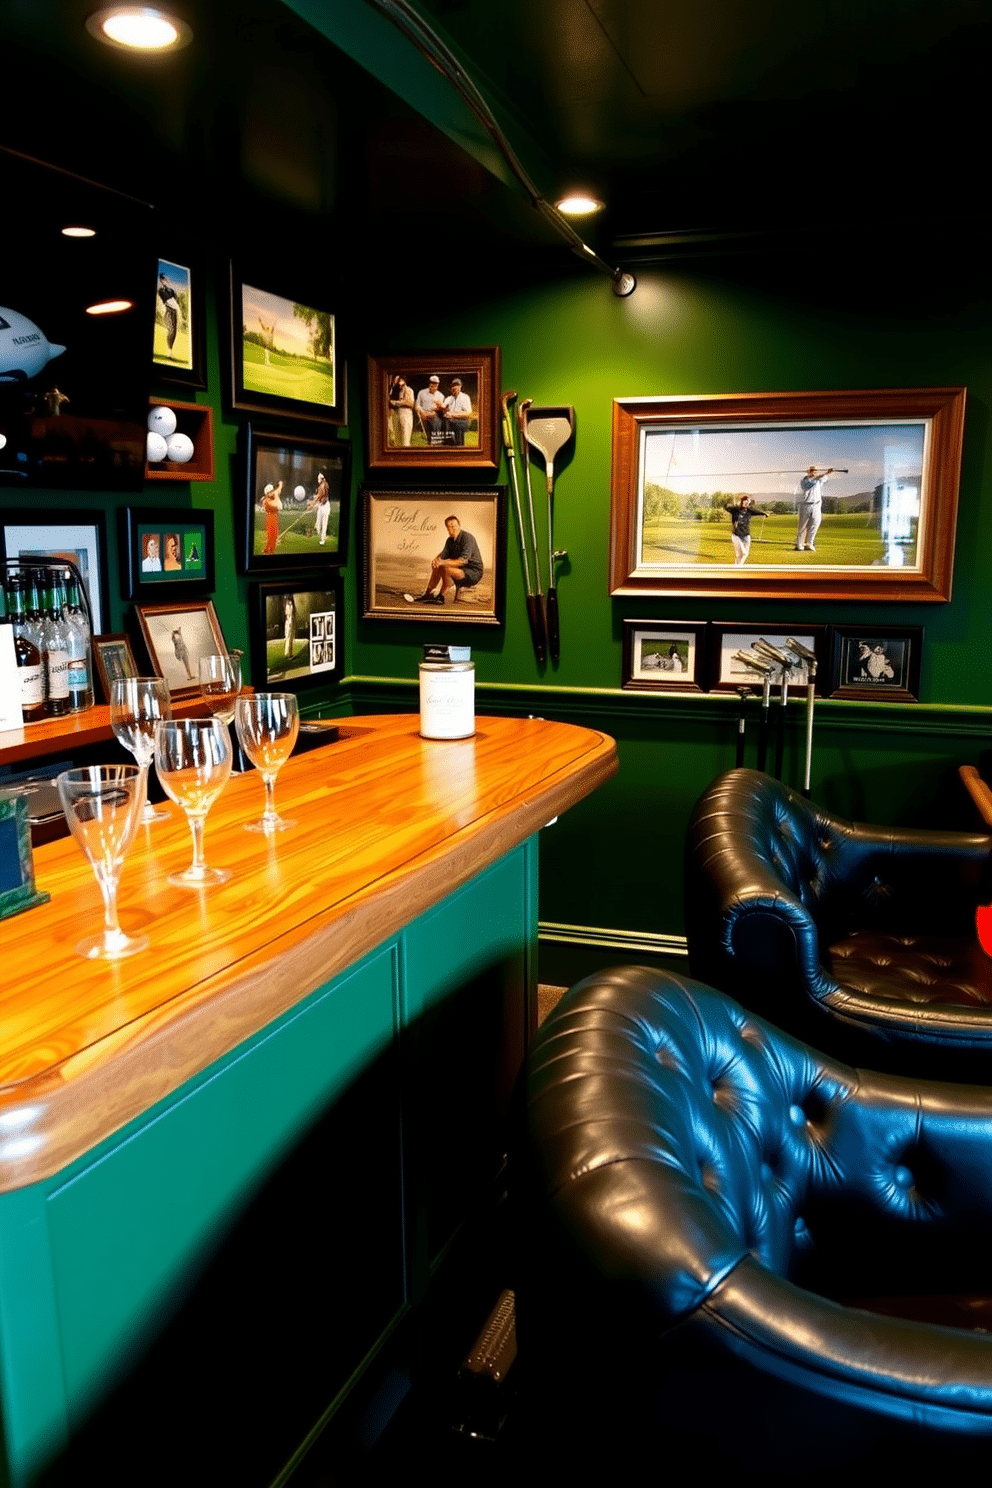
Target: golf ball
(300, 493)
(162, 421)
(155, 447)
(179, 447)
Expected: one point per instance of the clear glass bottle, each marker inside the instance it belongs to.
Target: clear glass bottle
(55, 632)
(80, 649)
(30, 665)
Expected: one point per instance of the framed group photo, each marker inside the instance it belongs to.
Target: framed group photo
(296, 501)
(878, 663)
(435, 408)
(284, 353)
(435, 555)
(296, 638)
(664, 655)
(176, 636)
(79, 537)
(178, 341)
(731, 643)
(820, 495)
(165, 548)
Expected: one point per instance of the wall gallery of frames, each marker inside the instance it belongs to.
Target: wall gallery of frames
(305, 461)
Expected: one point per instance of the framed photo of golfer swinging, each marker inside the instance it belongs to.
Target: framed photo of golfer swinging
(296, 640)
(176, 636)
(437, 556)
(435, 408)
(825, 495)
(296, 501)
(284, 352)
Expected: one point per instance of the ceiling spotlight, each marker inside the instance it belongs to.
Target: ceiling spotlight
(142, 28)
(79, 232)
(110, 307)
(578, 205)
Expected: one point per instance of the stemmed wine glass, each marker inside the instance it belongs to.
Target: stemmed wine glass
(136, 705)
(267, 725)
(102, 804)
(220, 683)
(193, 760)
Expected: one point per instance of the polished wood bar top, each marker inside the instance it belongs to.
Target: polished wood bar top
(387, 824)
(74, 730)
(978, 790)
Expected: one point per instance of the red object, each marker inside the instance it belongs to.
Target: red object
(983, 924)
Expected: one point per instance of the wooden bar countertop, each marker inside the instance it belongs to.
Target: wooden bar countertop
(387, 825)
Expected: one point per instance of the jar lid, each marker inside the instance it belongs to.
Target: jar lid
(447, 653)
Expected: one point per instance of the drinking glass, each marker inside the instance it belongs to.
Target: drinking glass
(268, 724)
(136, 705)
(220, 683)
(193, 760)
(102, 804)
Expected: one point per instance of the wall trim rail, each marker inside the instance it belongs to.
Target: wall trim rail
(599, 938)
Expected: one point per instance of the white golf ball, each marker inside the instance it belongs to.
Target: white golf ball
(155, 447)
(300, 493)
(179, 447)
(162, 421)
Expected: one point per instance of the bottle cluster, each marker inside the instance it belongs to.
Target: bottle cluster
(52, 641)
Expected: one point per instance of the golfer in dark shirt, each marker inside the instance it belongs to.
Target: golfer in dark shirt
(741, 513)
(457, 566)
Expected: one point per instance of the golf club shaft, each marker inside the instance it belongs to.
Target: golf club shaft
(534, 612)
(780, 735)
(810, 690)
(525, 456)
(766, 699)
(743, 693)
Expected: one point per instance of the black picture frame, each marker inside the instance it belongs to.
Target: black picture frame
(292, 462)
(74, 535)
(271, 371)
(185, 365)
(729, 636)
(193, 531)
(114, 660)
(877, 663)
(665, 655)
(316, 657)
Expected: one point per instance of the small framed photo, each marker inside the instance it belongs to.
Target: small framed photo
(435, 555)
(296, 501)
(284, 352)
(881, 663)
(77, 536)
(296, 634)
(176, 636)
(165, 549)
(114, 661)
(730, 643)
(178, 344)
(435, 408)
(664, 655)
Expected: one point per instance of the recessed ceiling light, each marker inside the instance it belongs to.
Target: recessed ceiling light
(142, 28)
(578, 205)
(79, 232)
(110, 307)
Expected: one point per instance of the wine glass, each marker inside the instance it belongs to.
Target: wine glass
(136, 705)
(193, 760)
(220, 683)
(102, 804)
(267, 726)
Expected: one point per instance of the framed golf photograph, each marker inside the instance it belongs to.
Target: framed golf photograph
(165, 549)
(296, 501)
(664, 655)
(876, 663)
(77, 536)
(438, 556)
(114, 661)
(178, 342)
(176, 636)
(826, 495)
(738, 655)
(434, 408)
(296, 638)
(284, 354)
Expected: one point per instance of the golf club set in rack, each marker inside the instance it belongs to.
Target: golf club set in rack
(548, 430)
(771, 664)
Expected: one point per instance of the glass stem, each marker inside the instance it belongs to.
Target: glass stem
(270, 814)
(147, 809)
(108, 888)
(199, 862)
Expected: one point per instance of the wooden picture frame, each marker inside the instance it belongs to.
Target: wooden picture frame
(406, 529)
(403, 429)
(877, 663)
(180, 540)
(284, 352)
(888, 504)
(176, 636)
(665, 655)
(179, 315)
(114, 660)
(77, 536)
(286, 469)
(297, 641)
(726, 673)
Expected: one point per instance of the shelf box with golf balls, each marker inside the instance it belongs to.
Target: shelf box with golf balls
(180, 442)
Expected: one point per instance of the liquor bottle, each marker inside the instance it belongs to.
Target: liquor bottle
(55, 648)
(80, 651)
(30, 667)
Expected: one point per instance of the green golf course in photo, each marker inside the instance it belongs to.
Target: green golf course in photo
(845, 540)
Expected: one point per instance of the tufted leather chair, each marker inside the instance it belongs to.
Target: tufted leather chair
(858, 938)
(730, 1242)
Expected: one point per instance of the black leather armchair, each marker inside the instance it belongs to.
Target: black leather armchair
(859, 938)
(729, 1242)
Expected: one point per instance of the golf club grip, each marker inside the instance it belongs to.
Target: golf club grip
(536, 618)
(554, 640)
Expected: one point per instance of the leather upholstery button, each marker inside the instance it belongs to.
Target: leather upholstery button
(797, 1115)
(903, 1177)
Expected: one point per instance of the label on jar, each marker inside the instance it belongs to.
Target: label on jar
(447, 701)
